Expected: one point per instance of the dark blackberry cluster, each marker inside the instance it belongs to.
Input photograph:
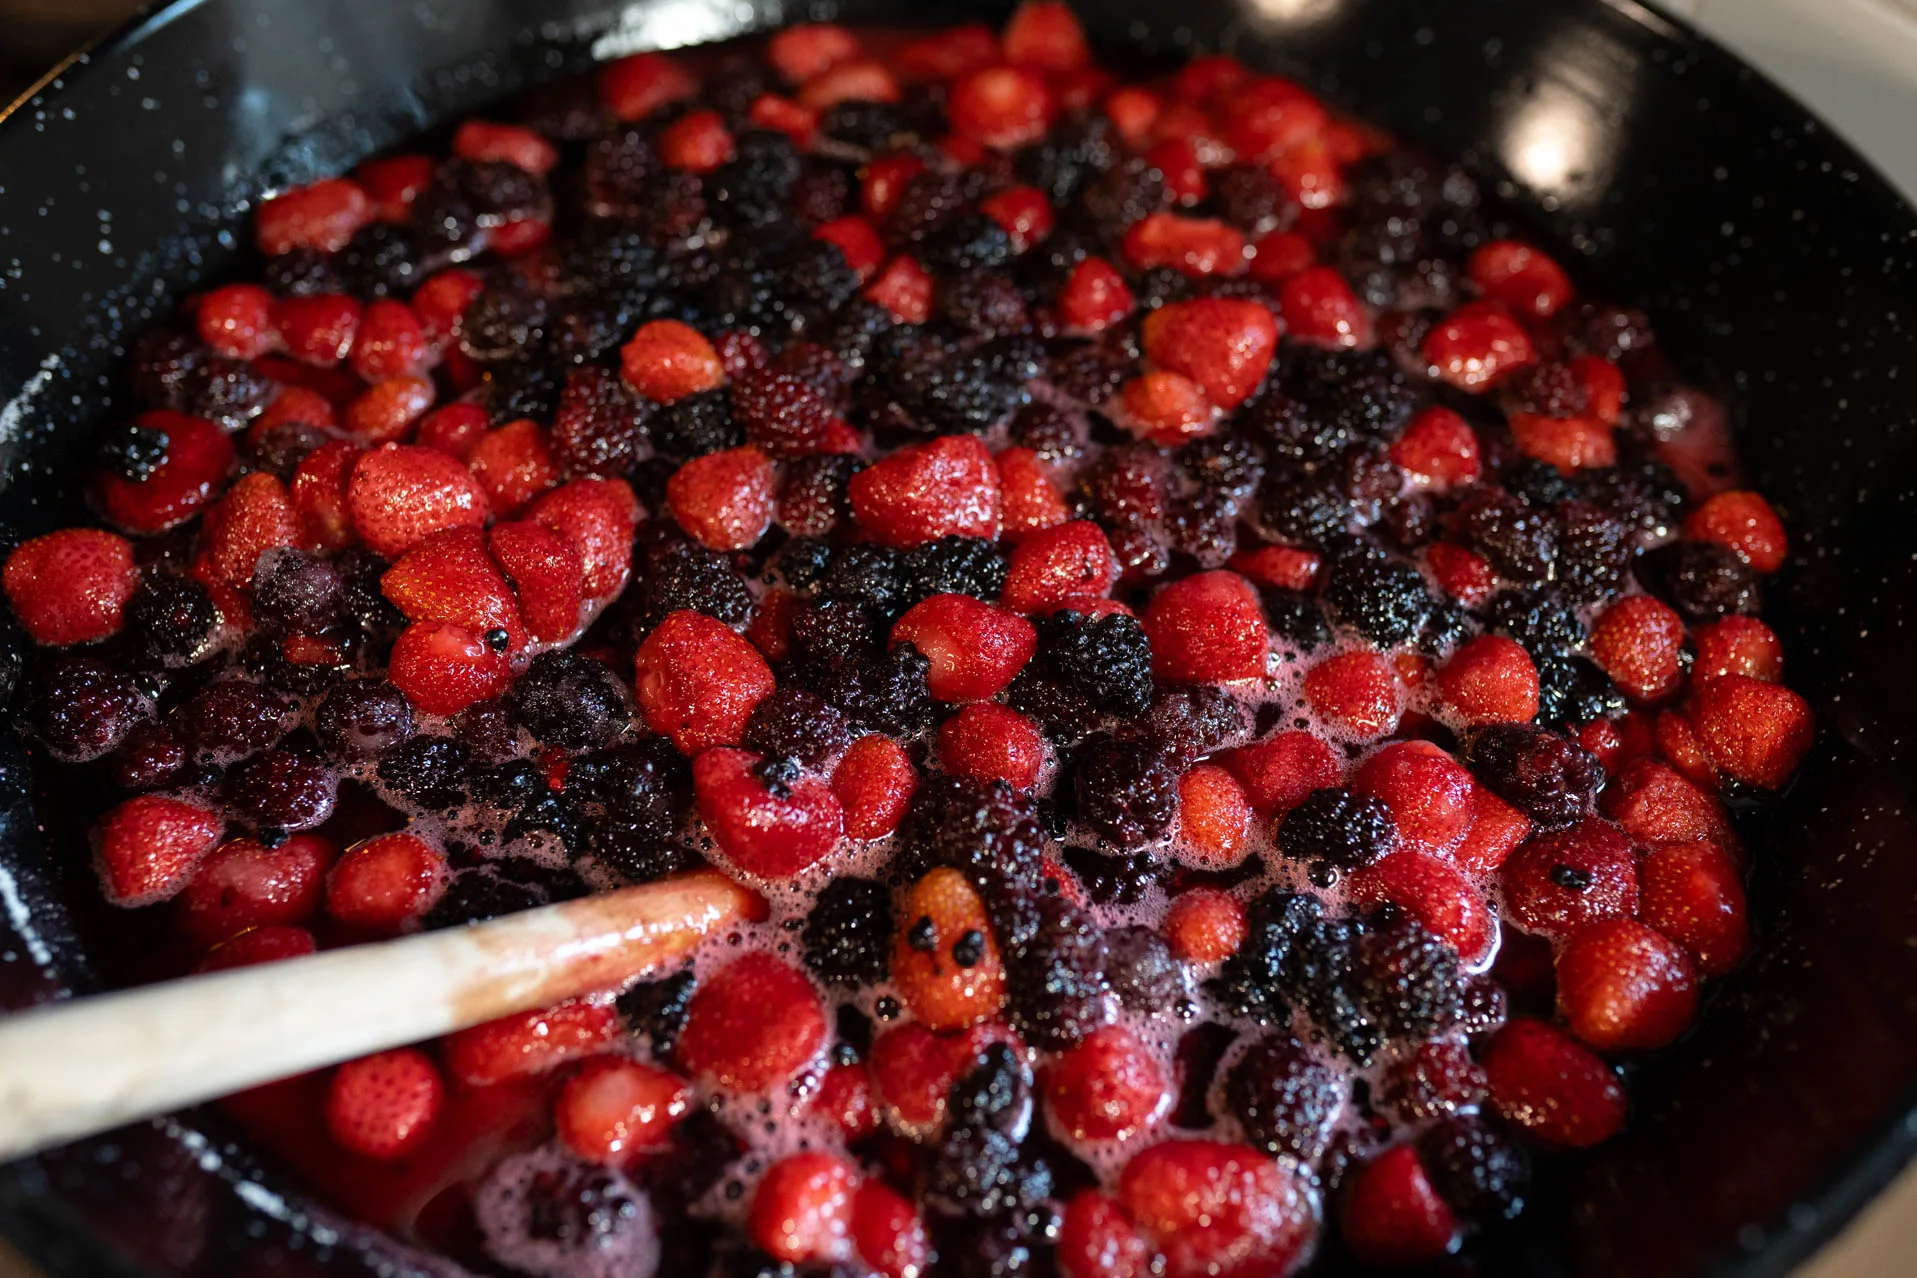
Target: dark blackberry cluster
(1106, 660)
(381, 260)
(1362, 393)
(131, 452)
(1336, 828)
(1551, 780)
(1537, 484)
(972, 566)
(430, 772)
(475, 894)
(626, 806)
(1573, 691)
(658, 1009)
(990, 831)
(751, 190)
(947, 392)
(675, 575)
(869, 575)
(297, 593)
(967, 244)
(1410, 979)
(569, 701)
(888, 694)
(1521, 543)
(1540, 619)
(830, 634)
(978, 1166)
(1594, 551)
(792, 723)
(1704, 581)
(848, 934)
(1475, 1168)
(599, 423)
(1141, 970)
(866, 126)
(1055, 976)
(1071, 155)
(1645, 496)
(983, 305)
(1284, 1098)
(1382, 598)
(1296, 617)
(1126, 790)
(169, 618)
(1305, 511)
(80, 707)
(363, 719)
(235, 718)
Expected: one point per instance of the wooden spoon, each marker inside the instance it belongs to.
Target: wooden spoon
(71, 1069)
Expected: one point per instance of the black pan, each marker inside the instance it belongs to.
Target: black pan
(1780, 271)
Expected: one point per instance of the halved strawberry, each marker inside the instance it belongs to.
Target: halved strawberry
(546, 575)
(150, 846)
(614, 1110)
(319, 494)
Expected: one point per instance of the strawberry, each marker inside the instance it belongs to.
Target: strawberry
(866, 80)
(904, 288)
(1281, 771)
(70, 586)
(1561, 883)
(1477, 345)
(1737, 645)
(1603, 386)
(443, 668)
(1552, 1086)
(888, 1233)
(697, 681)
(388, 409)
(1639, 642)
(150, 846)
(667, 360)
(256, 515)
(1054, 564)
(1204, 925)
(1094, 297)
(1358, 690)
(858, 240)
(844, 1100)
(1692, 893)
(512, 466)
(199, 455)
(1496, 830)
(1285, 567)
(1001, 107)
(974, 648)
(244, 884)
(398, 495)
(527, 1043)
(483, 140)
(697, 142)
(450, 578)
(546, 575)
(913, 1070)
(1271, 116)
(800, 123)
(1214, 816)
(1656, 805)
(391, 342)
(1095, 1240)
(990, 742)
(1219, 1208)
(1392, 1216)
(319, 494)
(614, 1110)
(752, 1025)
(1280, 255)
(1023, 212)
(1106, 1087)
(598, 516)
(1520, 277)
(1320, 309)
(293, 406)
(1224, 344)
(1490, 679)
(1677, 740)
(1465, 575)
(1429, 793)
(1134, 112)
(947, 487)
(1028, 498)
(1623, 985)
(811, 48)
(801, 1212)
(317, 331)
(1756, 732)
(1166, 407)
(635, 86)
(384, 1106)
(945, 965)
(1743, 522)
(1439, 448)
(1207, 628)
(322, 216)
(948, 54)
(1570, 444)
(724, 499)
(1432, 892)
(236, 320)
(874, 781)
(1177, 161)
(1045, 36)
(393, 183)
(386, 882)
(885, 179)
(770, 821)
(267, 944)
(441, 302)
(1194, 246)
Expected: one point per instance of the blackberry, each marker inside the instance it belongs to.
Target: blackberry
(1076, 150)
(1056, 977)
(80, 707)
(131, 452)
(150, 756)
(1127, 791)
(1537, 484)
(630, 849)
(677, 575)
(792, 723)
(1249, 198)
(1608, 332)
(1107, 659)
(1224, 464)
(982, 304)
(609, 257)
(235, 718)
(1190, 723)
(976, 1166)
(1141, 970)
(1521, 543)
(865, 126)
(1065, 715)
(380, 260)
(516, 388)
(1204, 525)
(988, 830)
(967, 243)
(1593, 552)
(831, 634)
(848, 934)
(1320, 973)
(281, 789)
(280, 448)
(360, 570)
(1549, 388)
(658, 1008)
(1573, 692)
(1704, 581)
(749, 191)
(1337, 828)
(954, 566)
(499, 190)
(695, 425)
(1409, 979)
(1382, 598)
(1252, 983)
(157, 370)
(490, 729)
(887, 695)
(505, 321)
(475, 895)
(301, 272)
(1448, 626)
(170, 618)
(1109, 878)
(1549, 779)
(1539, 619)
(1160, 285)
(812, 498)
(926, 203)
(1361, 392)
(430, 772)
(1475, 1168)
(296, 593)
(1308, 512)
(569, 701)
(1284, 1098)
(975, 390)
(633, 794)
(511, 785)
(1048, 431)
(581, 1207)
(1646, 497)
(816, 278)
(1126, 192)
(228, 391)
(867, 574)
(1297, 617)
(597, 424)
(1293, 432)
(1409, 521)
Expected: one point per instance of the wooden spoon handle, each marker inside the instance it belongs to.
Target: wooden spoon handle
(70, 1069)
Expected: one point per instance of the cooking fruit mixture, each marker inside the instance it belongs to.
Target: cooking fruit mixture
(1222, 665)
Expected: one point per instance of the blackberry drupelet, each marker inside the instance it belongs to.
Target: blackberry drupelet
(1539, 619)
